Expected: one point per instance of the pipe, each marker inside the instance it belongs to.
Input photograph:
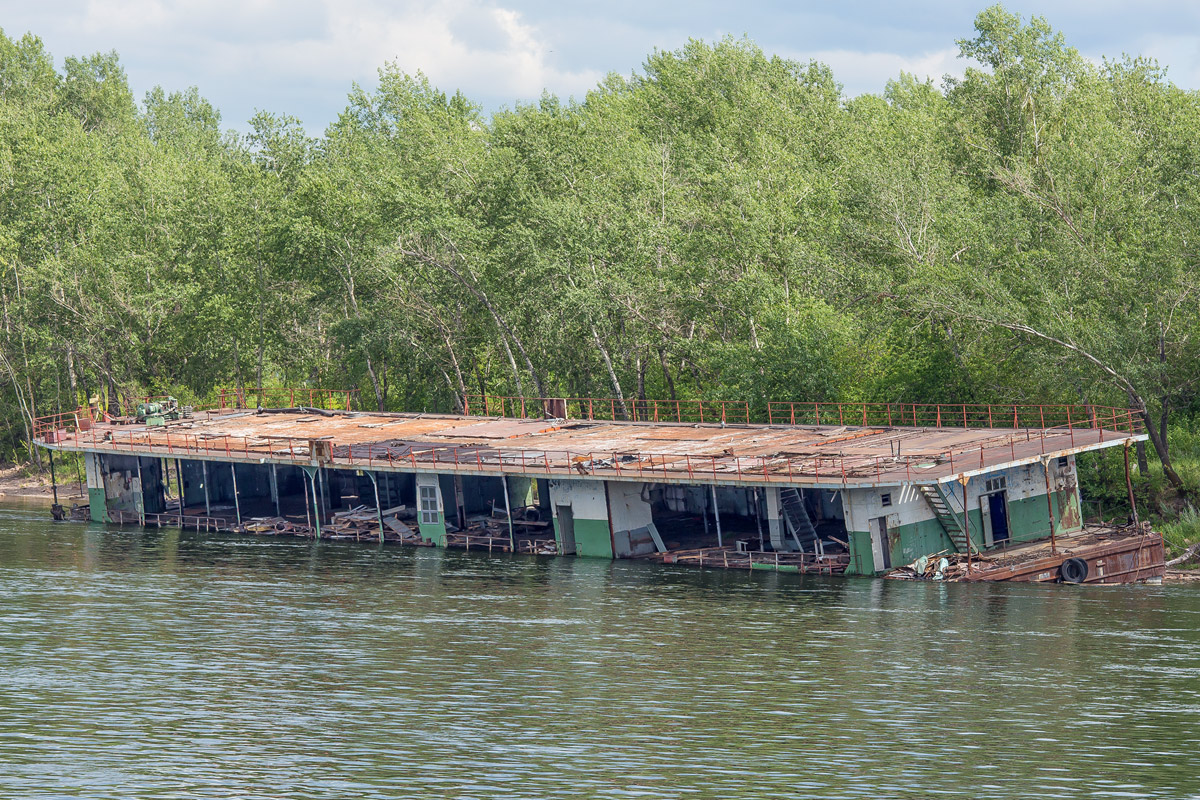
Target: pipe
(54, 480)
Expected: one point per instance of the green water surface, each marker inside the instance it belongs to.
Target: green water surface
(175, 665)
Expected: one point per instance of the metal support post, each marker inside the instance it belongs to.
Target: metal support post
(53, 480)
(1050, 505)
(307, 505)
(758, 520)
(378, 505)
(313, 474)
(717, 515)
(322, 494)
(204, 477)
(275, 489)
(141, 498)
(966, 520)
(1128, 487)
(237, 506)
(508, 511)
(179, 483)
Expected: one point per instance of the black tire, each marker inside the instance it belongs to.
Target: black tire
(533, 515)
(1073, 570)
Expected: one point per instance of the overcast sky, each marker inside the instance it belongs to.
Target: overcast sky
(301, 56)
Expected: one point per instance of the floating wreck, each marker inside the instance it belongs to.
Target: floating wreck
(954, 492)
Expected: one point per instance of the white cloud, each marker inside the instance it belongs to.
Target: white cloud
(473, 45)
(869, 72)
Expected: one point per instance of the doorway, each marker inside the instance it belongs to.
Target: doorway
(566, 531)
(994, 509)
(879, 543)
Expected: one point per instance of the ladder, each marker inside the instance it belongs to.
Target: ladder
(950, 520)
(795, 516)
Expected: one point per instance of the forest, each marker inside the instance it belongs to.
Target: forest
(719, 223)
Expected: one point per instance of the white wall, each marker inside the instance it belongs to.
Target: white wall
(586, 498)
(629, 510)
(908, 506)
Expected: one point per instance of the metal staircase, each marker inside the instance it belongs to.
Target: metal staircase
(795, 516)
(943, 508)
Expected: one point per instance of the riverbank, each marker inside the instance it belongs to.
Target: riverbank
(17, 483)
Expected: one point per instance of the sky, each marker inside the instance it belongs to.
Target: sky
(301, 57)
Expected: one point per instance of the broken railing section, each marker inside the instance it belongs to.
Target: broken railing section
(911, 415)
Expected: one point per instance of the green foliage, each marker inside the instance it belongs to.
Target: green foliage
(721, 224)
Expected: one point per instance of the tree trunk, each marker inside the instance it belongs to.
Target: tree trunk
(1162, 425)
(662, 359)
(482, 297)
(462, 385)
(1160, 445)
(612, 374)
(72, 381)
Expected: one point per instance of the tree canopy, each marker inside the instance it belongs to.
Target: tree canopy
(722, 223)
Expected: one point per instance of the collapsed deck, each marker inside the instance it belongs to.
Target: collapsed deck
(841, 455)
(883, 486)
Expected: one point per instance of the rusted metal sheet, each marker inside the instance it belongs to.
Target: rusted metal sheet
(745, 454)
(1111, 556)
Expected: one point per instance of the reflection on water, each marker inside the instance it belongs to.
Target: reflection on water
(162, 664)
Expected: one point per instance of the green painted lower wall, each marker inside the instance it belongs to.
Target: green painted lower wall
(593, 539)
(97, 510)
(434, 532)
(861, 560)
(1028, 521)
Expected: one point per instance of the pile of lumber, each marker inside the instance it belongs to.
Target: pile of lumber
(362, 524)
(273, 526)
(939, 567)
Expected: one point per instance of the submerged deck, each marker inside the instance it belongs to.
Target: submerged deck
(682, 452)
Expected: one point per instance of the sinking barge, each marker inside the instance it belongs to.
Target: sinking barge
(831, 489)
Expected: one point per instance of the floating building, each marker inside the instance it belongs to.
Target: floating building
(977, 492)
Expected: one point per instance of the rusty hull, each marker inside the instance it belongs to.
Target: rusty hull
(1122, 555)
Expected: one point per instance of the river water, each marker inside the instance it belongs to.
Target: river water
(174, 665)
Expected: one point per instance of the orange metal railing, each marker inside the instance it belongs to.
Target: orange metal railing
(838, 468)
(953, 415)
(80, 418)
(271, 397)
(914, 415)
(608, 408)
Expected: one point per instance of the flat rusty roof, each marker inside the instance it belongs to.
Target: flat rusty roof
(673, 452)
